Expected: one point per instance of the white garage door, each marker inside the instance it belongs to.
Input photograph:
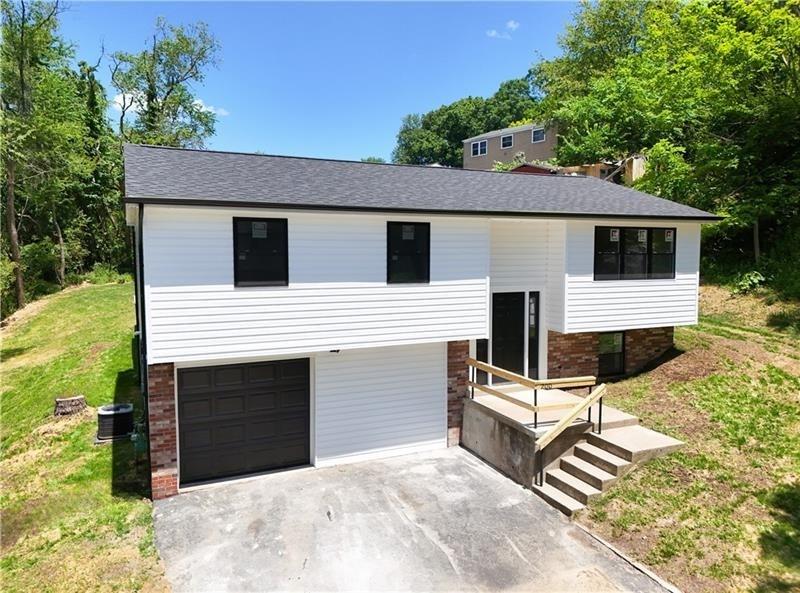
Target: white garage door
(377, 402)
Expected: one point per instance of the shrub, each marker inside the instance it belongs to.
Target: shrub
(105, 274)
(748, 282)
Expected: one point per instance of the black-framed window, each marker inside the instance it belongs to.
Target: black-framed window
(611, 354)
(507, 141)
(634, 253)
(408, 252)
(537, 135)
(260, 252)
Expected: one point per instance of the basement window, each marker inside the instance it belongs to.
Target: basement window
(260, 252)
(611, 357)
(408, 252)
(631, 253)
(479, 148)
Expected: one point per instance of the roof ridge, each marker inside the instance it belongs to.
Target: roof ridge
(313, 158)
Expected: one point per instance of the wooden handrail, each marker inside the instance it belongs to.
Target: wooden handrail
(519, 401)
(562, 424)
(509, 398)
(567, 382)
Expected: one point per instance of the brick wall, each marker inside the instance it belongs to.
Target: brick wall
(573, 355)
(457, 376)
(163, 430)
(643, 345)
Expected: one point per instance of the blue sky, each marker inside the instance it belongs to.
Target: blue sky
(333, 80)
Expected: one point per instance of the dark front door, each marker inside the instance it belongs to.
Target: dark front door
(243, 418)
(508, 332)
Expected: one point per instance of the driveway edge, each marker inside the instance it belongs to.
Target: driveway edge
(634, 563)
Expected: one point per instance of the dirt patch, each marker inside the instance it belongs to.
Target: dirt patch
(19, 316)
(752, 310)
(102, 564)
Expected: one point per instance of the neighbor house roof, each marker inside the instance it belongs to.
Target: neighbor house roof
(158, 175)
(503, 132)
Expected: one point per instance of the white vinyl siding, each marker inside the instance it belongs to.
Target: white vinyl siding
(610, 305)
(556, 271)
(519, 255)
(337, 297)
(529, 255)
(380, 401)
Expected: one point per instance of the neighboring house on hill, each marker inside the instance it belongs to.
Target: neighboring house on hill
(299, 311)
(534, 140)
(538, 144)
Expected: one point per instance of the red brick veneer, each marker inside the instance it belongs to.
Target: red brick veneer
(457, 376)
(644, 345)
(574, 355)
(163, 430)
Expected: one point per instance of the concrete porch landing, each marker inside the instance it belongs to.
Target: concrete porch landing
(612, 418)
(579, 464)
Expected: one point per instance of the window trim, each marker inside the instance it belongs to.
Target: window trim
(485, 148)
(623, 352)
(537, 129)
(246, 283)
(648, 255)
(427, 279)
(502, 138)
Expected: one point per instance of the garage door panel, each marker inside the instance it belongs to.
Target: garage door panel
(249, 418)
(197, 439)
(260, 402)
(294, 370)
(262, 373)
(294, 398)
(229, 376)
(196, 410)
(229, 404)
(194, 379)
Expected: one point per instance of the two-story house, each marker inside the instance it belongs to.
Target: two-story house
(534, 140)
(296, 311)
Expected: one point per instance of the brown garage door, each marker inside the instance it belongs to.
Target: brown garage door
(243, 418)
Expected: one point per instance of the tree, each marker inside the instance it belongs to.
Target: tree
(154, 87)
(37, 123)
(437, 136)
(710, 91)
(373, 159)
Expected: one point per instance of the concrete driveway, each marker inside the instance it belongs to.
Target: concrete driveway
(442, 521)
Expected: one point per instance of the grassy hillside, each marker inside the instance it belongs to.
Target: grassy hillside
(723, 514)
(75, 516)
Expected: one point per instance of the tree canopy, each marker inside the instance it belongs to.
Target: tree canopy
(436, 136)
(61, 159)
(710, 92)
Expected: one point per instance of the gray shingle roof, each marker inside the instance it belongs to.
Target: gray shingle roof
(168, 175)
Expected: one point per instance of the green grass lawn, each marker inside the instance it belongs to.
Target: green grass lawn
(75, 514)
(723, 514)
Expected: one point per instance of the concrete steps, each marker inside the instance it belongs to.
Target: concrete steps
(557, 499)
(602, 459)
(572, 486)
(589, 473)
(593, 466)
(634, 443)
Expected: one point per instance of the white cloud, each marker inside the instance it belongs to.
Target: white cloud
(127, 100)
(220, 111)
(495, 34)
(134, 103)
(512, 25)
